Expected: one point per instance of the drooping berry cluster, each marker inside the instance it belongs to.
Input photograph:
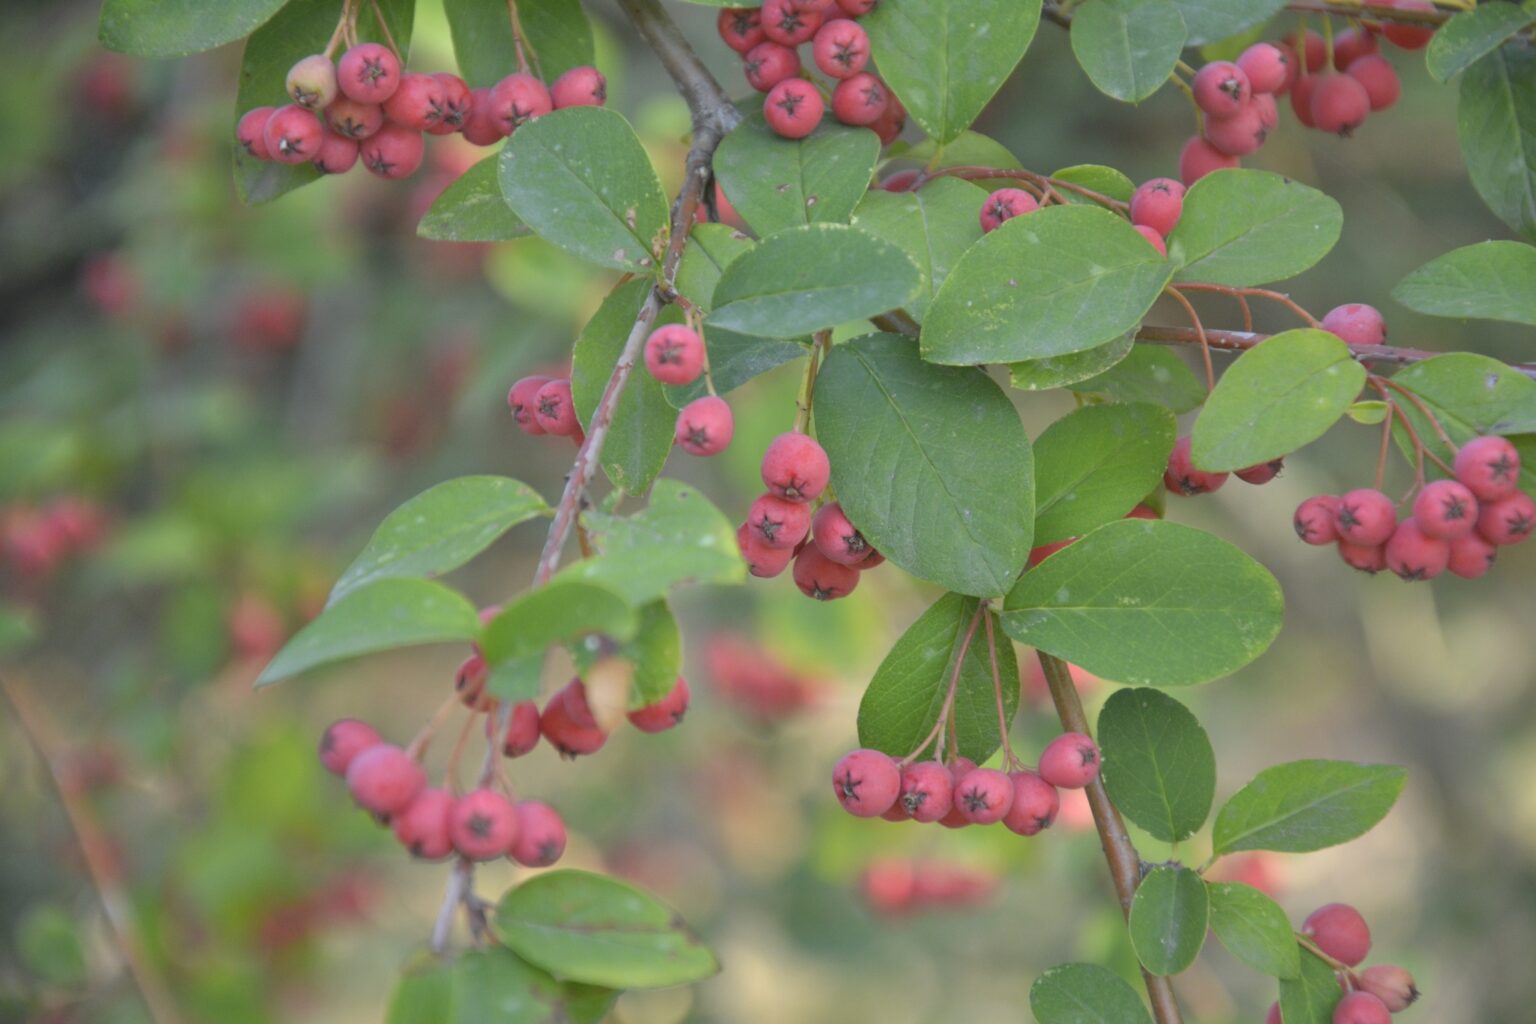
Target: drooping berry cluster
(769, 38)
(543, 405)
(1182, 478)
(366, 108)
(1339, 932)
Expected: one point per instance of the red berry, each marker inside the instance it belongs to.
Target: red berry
(674, 354)
(1361, 1008)
(790, 22)
(482, 825)
(1350, 45)
(1044, 551)
(480, 125)
(665, 713)
(1222, 88)
(888, 125)
(1376, 73)
(836, 537)
(762, 561)
(292, 135)
(567, 722)
(1339, 105)
(385, 779)
(1004, 205)
(393, 151)
(1371, 558)
(312, 82)
(1070, 761)
(959, 768)
(343, 740)
(353, 120)
(1158, 204)
(1183, 478)
(540, 836)
(522, 399)
(470, 682)
(1445, 509)
(902, 181)
(1301, 99)
(819, 577)
(1268, 110)
(927, 791)
(841, 48)
(1409, 37)
(705, 426)
(369, 73)
(518, 99)
(1489, 466)
(1239, 135)
(1339, 931)
(1153, 239)
(866, 782)
(856, 8)
(1267, 67)
(1365, 517)
(874, 560)
(1472, 556)
(1261, 474)
(554, 409)
(418, 103)
(796, 467)
(249, 132)
(522, 730)
(583, 86)
(1312, 45)
(793, 108)
(457, 103)
(422, 828)
(984, 796)
(1508, 520)
(1391, 984)
(859, 100)
(769, 63)
(741, 27)
(1034, 807)
(1273, 1016)
(1414, 555)
(1199, 158)
(1356, 323)
(1315, 519)
(337, 155)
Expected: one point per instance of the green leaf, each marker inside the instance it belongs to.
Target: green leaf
(735, 359)
(581, 179)
(904, 698)
(934, 225)
(423, 995)
(946, 60)
(18, 628)
(175, 28)
(381, 616)
(1149, 603)
(1303, 806)
(472, 209)
(655, 652)
(440, 529)
(597, 930)
(1369, 412)
(1310, 997)
(1092, 466)
(1471, 395)
(678, 538)
(1213, 20)
(1149, 374)
(710, 249)
(1103, 180)
(1169, 916)
(968, 149)
(1496, 119)
(558, 35)
(558, 611)
(1487, 281)
(931, 462)
(48, 945)
(1275, 398)
(1085, 994)
(777, 183)
(644, 422)
(1060, 280)
(1246, 228)
(809, 278)
(1060, 371)
(1159, 767)
(1128, 47)
(496, 986)
(1254, 929)
(1472, 35)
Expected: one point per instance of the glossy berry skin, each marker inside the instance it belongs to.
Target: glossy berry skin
(1371, 558)
(583, 86)
(769, 63)
(1414, 555)
(1391, 984)
(1489, 466)
(866, 782)
(1340, 931)
(1035, 805)
(1365, 517)
(927, 791)
(1356, 324)
(385, 779)
(840, 48)
(1445, 509)
(1070, 761)
(1339, 105)
(480, 125)
(1382, 86)
(1314, 520)
(790, 22)
(248, 132)
(1222, 89)
(1199, 158)
(1267, 66)
(793, 108)
(368, 73)
(1154, 239)
(337, 154)
(311, 82)
(523, 401)
(1004, 205)
(540, 837)
(523, 730)
(353, 120)
(457, 102)
(859, 100)
(292, 135)
(1261, 474)
(518, 99)
(567, 722)
(343, 740)
(422, 828)
(762, 561)
(1352, 44)
(1182, 478)
(837, 538)
(1508, 520)
(1409, 37)
(393, 152)
(741, 28)
(554, 409)
(1158, 204)
(665, 713)
(482, 825)
(820, 578)
(796, 467)
(419, 102)
(705, 426)
(984, 796)
(1361, 1008)
(1239, 135)
(674, 354)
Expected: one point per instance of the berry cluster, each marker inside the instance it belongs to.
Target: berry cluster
(751, 677)
(769, 37)
(35, 540)
(1455, 524)
(1370, 997)
(366, 107)
(1182, 478)
(904, 886)
(543, 405)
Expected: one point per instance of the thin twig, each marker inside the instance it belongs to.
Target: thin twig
(1041, 181)
(1200, 336)
(808, 383)
(936, 734)
(517, 38)
(384, 27)
(997, 691)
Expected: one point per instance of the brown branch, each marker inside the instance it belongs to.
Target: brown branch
(1119, 852)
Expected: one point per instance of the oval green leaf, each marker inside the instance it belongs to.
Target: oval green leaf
(934, 225)
(1495, 114)
(1303, 806)
(1246, 228)
(710, 249)
(472, 209)
(1085, 994)
(496, 986)
(557, 32)
(655, 654)
(1486, 281)
(1148, 374)
(1254, 929)
(561, 610)
(1212, 20)
(1169, 915)
(777, 183)
(1093, 465)
(176, 28)
(1472, 35)
(1159, 767)
(1060, 371)
(1128, 47)
(1310, 997)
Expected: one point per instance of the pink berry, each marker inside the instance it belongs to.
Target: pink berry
(1365, 517)
(665, 713)
(1339, 931)
(1044, 551)
(393, 151)
(1199, 158)
(1445, 509)
(1153, 239)
(482, 825)
(1391, 984)
(927, 791)
(856, 8)
(859, 100)
(337, 155)
(555, 409)
(836, 537)
(1410, 37)
(795, 467)
(292, 135)
(820, 578)
(1070, 761)
(470, 682)
(1222, 88)
(793, 108)
(888, 125)
(523, 400)
(480, 125)
(249, 132)
(1472, 556)
(1183, 478)
(1315, 519)
(1261, 474)
(1268, 110)
(540, 838)
(312, 82)
(1352, 44)
(1508, 520)
(1301, 99)
(769, 63)
(778, 523)
(567, 722)
(518, 99)
(866, 782)
(959, 768)
(790, 22)
(762, 561)
(705, 426)
(1313, 47)
(458, 100)
(583, 86)
(1371, 558)
(1034, 807)
(1414, 555)
(1361, 1008)
(1267, 67)
(419, 102)
(522, 730)
(422, 828)
(741, 27)
(343, 741)
(369, 73)
(1239, 135)
(1339, 105)
(353, 120)
(841, 48)
(1273, 1016)
(1489, 466)
(1379, 77)
(674, 354)
(385, 779)
(1004, 205)
(1158, 204)
(984, 796)
(1356, 324)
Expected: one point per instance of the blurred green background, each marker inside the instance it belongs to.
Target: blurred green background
(243, 393)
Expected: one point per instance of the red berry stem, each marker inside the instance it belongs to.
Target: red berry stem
(1386, 444)
(518, 45)
(1433, 419)
(1041, 182)
(1256, 293)
(343, 27)
(936, 734)
(1010, 762)
(1205, 344)
(389, 37)
(418, 745)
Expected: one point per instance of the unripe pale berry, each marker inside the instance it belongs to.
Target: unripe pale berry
(1314, 520)
(1183, 478)
(1267, 67)
(836, 537)
(1222, 88)
(984, 796)
(1339, 105)
(1070, 761)
(705, 426)
(790, 22)
(369, 73)
(249, 132)
(1004, 205)
(1199, 158)
(1508, 520)
(353, 120)
(1409, 37)
(796, 467)
(457, 103)
(554, 408)
(860, 100)
(927, 791)
(1361, 1008)
(741, 27)
(1356, 324)
(523, 401)
(665, 713)
(1414, 555)
(1261, 474)
(1391, 984)
(337, 153)
(1035, 805)
(1371, 558)
(820, 578)
(769, 63)
(518, 99)
(540, 836)
(841, 48)
(674, 354)
(419, 102)
(583, 86)
(522, 730)
(1239, 135)
(762, 561)
(482, 825)
(866, 783)
(1352, 44)
(1445, 509)
(292, 135)
(393, 151)
(1379, 77)
(1158, 204)
(793, 108)
(385, 779)
(312, 82)
(343, 740)
(568, 724)
(1365, 517)
(480, 125)
(422, 828)
(1489, 466)
(1339, 931)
